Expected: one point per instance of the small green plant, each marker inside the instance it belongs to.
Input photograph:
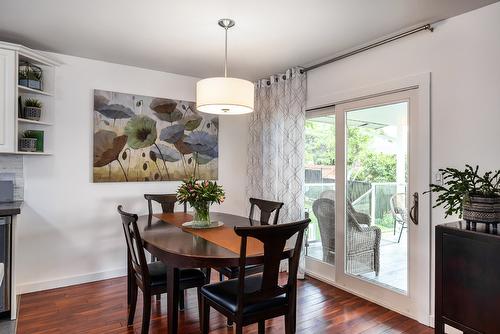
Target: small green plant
(27, 134)
(458, 186)
(30, 75)
(34, 103)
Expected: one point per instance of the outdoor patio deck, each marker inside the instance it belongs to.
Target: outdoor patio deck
(393, 261)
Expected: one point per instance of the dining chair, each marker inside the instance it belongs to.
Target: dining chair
(151, 278)
(266, 210)
(250, 299)
(167, 202)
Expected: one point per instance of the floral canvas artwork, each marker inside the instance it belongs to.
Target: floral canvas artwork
(141, 138)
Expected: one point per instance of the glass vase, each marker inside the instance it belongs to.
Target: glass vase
(201, 214)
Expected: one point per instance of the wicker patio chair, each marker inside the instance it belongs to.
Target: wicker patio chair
(363, 240)
(363, 244)
(398, 210)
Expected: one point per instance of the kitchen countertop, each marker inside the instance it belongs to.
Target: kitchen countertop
(10, 208)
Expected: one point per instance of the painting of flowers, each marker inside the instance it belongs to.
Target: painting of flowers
(141, 138)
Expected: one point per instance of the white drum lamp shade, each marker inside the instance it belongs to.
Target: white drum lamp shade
(225, 96)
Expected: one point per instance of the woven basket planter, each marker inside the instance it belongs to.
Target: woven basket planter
(27, 144)
(32, 113)
(482, 209)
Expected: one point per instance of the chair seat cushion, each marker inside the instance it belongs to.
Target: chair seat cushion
(249, 270)
(225, 294)
(188, 277)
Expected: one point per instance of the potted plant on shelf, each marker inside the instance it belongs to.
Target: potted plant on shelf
(200, 195)
(26, 142)
(39, 136)
(32, 109)
(472, 196)
(30, 76)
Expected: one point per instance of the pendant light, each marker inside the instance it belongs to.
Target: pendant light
(225, 95)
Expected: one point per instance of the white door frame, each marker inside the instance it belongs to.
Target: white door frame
(420, 275)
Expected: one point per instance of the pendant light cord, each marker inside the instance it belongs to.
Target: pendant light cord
(225, 54)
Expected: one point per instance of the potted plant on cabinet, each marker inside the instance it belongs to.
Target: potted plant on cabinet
(472, 196)
(32, 109)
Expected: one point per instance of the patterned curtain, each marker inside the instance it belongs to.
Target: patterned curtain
(276, 145)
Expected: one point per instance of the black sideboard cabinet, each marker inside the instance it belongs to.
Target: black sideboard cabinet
(467, 278)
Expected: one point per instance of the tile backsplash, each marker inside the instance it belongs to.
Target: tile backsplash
(11, 168)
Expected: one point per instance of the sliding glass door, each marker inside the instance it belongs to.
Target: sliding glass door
(376, 186)
(366, 163)
(320, 188)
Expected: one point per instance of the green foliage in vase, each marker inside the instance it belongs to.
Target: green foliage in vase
(458, 186)
(34, 103)
(197, 192)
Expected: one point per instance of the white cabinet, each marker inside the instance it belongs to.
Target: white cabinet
(8, 93)
(11, 125)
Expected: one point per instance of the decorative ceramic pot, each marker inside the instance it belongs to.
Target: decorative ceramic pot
(201, 214)
(27, 144)
(482, 209)
(32, 113)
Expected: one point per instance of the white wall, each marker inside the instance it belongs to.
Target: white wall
(463, 57)
(69, 230)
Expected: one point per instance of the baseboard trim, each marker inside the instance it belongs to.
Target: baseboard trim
(321, 278)
(68, 281)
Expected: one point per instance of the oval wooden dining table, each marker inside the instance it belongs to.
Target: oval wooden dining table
(178, 247)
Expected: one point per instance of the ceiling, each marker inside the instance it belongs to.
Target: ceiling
(182, 36)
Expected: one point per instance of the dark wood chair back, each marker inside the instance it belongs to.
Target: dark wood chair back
(167, 202)
(135, 249)
(266, 209)
(274, 238)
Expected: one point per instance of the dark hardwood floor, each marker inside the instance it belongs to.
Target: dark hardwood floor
(101, 307)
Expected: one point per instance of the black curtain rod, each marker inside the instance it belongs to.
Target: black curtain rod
(371, 46)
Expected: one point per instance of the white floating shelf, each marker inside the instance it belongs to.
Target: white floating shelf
(24, 89)
(32, 153)
(29, 121)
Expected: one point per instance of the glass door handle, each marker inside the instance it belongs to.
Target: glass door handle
(414, 209)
